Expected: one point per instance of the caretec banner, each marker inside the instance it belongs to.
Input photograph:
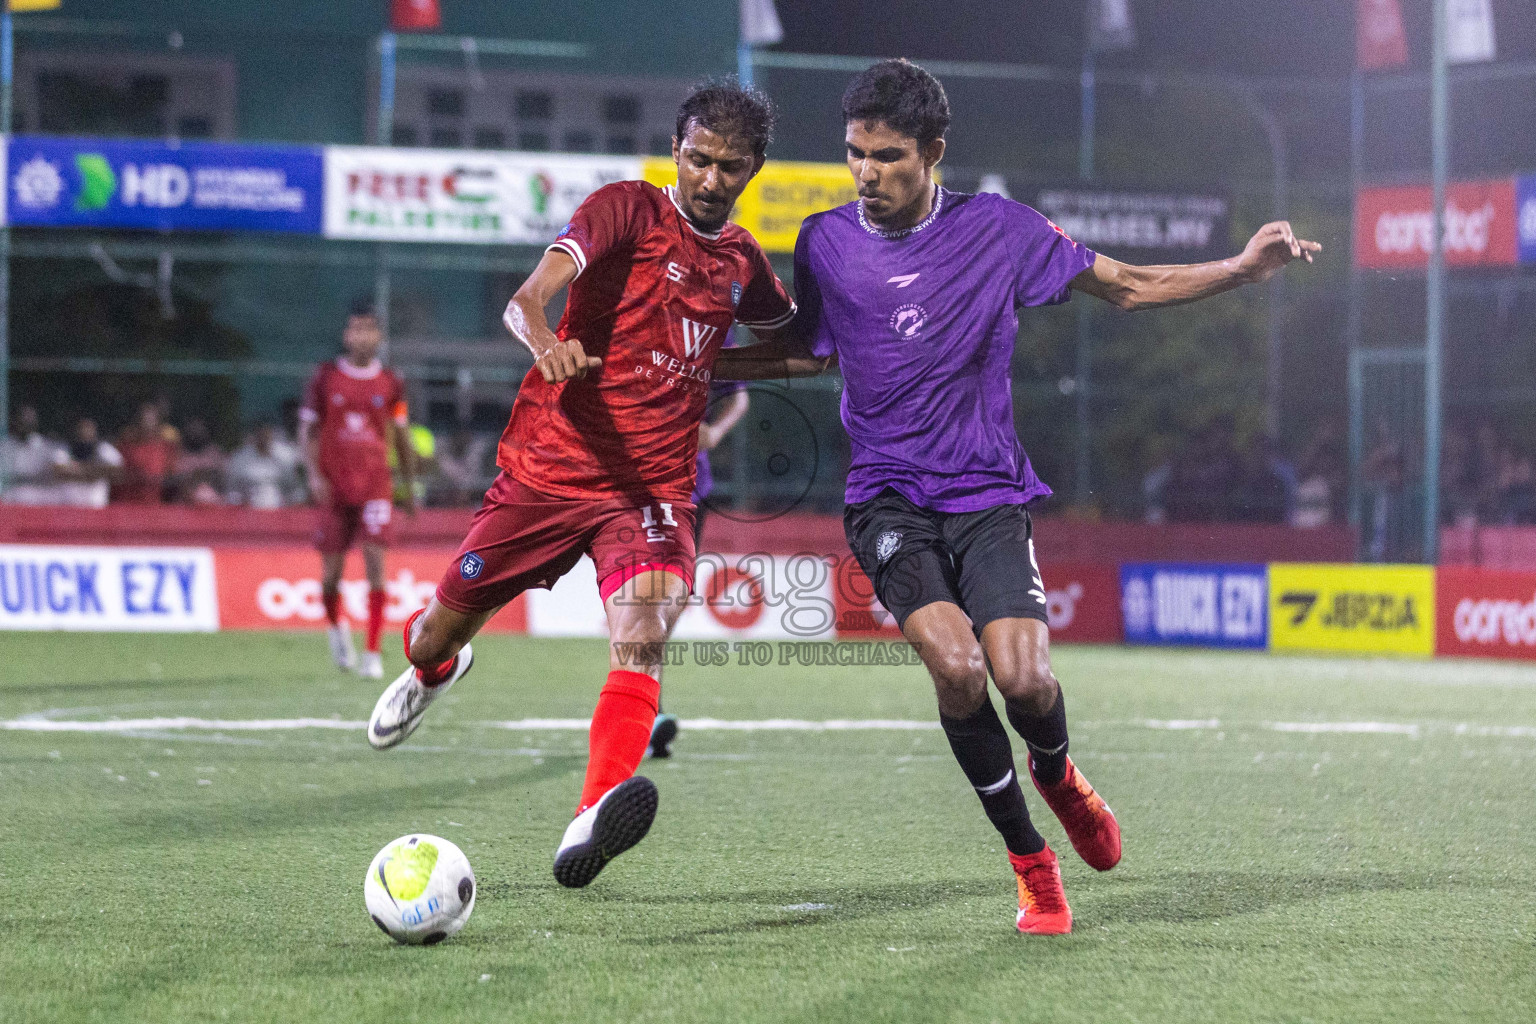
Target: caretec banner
(1485, 613)
(1392, 225)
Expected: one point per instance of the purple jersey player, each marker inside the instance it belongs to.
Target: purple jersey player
(913, 291)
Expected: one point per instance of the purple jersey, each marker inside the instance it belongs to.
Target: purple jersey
(924, 323)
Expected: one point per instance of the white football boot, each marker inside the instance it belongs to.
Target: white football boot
(372, 665)
(342, 651)
(404, 701)
(619, 820)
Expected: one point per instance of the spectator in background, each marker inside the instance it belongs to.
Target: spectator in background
(1382, 473)
(1517, 489)
(1316, 493)
(263, 473)
(462, 476)
(199, 469)
(29, 461)
(149, 448)
(89, 465)
(1203, 476)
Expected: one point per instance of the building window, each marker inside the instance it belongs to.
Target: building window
(490, 138)
(404, 135)
(534, 106)
(534, 142)
(620, 144)
(580, 142)
(661, 145)
(144, 95)
(445, 102)
(621, 109)
(447, 138)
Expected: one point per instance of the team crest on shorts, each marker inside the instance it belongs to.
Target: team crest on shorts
(471, 566)
(735, 294)
(886, 546)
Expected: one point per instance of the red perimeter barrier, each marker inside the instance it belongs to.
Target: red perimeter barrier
(1056, 540)
(1485, 613)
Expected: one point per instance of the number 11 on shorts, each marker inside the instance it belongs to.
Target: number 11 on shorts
(653, 531)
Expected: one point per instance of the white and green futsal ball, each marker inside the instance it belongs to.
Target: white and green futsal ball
(420, 889)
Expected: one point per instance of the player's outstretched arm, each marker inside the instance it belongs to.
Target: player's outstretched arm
(780, 357)
(1133, 288)
(557, 360)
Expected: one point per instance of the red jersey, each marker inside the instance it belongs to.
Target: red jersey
(351, 407)
(655, 298)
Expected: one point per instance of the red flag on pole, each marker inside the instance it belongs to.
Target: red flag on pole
(415, 15)
(1380, 42)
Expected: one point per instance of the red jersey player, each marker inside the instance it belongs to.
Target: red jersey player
(599, 456)
(354, 409)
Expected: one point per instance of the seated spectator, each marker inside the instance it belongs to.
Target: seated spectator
(29, 461)
(461, 470)
(199, 470)
(262, 473)
(89, 465)
(149, 447)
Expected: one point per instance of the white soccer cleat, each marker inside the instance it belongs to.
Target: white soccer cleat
(372, 665)
(404, 701)
(606, 829)
(342, 651)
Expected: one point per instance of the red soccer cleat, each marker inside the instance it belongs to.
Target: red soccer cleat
(1089, 822)
(1043, 906)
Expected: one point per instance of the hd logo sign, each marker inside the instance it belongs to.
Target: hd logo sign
(1384, 609)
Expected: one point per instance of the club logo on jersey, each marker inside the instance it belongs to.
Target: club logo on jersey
(908, 320)
(887, 545)
(695, 337)
(903, 280)
(735, 294)
(471, 567)
(564, 231)
(676, 272)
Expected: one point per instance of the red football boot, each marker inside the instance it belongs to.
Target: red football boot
(1089, 822)
(1043, 906)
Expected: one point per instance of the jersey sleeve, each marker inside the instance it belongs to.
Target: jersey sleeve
(314, 398)
(764, 305)
(607, 220)
(399, 411)
(809, 325)
(1045, 258)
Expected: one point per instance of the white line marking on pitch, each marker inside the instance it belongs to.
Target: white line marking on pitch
(37, 723)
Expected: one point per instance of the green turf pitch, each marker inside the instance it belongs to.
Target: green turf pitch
(1269, 875)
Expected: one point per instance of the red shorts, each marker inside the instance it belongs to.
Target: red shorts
(341, 526)
(520, 539)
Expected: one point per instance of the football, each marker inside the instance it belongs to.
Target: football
(420, 889)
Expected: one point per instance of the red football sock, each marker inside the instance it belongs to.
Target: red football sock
(332, 604)
(429, 676)
(375, 619)
(621, 730)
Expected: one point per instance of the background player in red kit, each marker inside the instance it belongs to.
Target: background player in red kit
(599, 456)
(354, 409)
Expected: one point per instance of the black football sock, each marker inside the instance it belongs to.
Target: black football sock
(981, 746)
(1046, 737)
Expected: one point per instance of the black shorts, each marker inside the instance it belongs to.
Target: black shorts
(982, 561)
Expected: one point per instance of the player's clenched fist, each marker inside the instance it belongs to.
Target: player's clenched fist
(564, 360)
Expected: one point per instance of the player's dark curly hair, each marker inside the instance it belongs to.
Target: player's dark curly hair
(901, 95)
(730, 110)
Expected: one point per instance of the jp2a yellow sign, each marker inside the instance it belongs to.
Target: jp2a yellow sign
(1369, 609)
(782, 195)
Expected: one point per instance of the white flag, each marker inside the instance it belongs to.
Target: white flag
(1112, 27)
(760, 23)
(1469, 31)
